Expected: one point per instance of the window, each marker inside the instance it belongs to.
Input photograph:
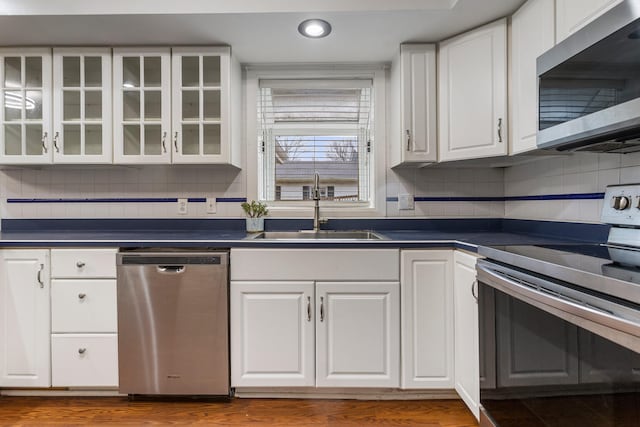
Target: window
(308, 126)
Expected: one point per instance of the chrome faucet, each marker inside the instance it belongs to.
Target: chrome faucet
(316, 198)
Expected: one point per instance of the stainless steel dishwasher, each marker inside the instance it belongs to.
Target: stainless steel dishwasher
(173, 322)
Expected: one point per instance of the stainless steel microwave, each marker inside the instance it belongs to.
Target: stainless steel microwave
(589, 86)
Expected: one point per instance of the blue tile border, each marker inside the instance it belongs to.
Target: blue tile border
(128, 200)
(572, 196)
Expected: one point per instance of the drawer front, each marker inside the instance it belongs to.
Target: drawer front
(84, 305)
(76, 263)
(84, 360)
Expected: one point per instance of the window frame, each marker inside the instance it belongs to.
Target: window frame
(377, 73)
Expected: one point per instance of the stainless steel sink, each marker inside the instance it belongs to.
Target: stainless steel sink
(317, 235)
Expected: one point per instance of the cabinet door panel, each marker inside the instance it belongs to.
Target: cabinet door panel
(272, 334)
(82, 105)
(25, 321)
(357, 334)
(427, 319)
(467, 357)
(571, 15)
(532, 33)
(201, 113)
(25, 97)
(472, 94)
(142, 108)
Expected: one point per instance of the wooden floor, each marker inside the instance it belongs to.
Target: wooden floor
(67, 411)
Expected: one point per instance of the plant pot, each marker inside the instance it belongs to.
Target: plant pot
(255, 225)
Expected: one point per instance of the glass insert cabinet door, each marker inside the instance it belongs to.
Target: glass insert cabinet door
(25, 100)
(82, 105)
(200, 83)
(142, 109)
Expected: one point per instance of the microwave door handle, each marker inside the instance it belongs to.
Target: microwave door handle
(560, 307)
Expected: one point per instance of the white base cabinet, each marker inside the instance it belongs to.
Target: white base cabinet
(427, 319)
(24, 321)
(358, 334)
(84, 318)
(298, 322)
(466, 332)
(272, 334)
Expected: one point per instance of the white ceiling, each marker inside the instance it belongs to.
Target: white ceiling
(259, 31)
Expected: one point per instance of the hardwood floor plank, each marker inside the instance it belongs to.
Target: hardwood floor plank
(83, 411)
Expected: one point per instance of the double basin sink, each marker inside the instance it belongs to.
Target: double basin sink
(317, 235)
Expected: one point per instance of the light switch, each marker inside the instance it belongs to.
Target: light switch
(211, 205)
(405, 202)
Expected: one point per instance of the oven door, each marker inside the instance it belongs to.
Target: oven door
(553, 354)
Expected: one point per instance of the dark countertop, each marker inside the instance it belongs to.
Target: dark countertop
(234, 238)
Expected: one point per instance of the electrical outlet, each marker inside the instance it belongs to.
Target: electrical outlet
(211, 205)
(182, 206)
(405, 202)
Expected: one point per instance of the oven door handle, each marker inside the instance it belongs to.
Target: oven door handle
(588, 317)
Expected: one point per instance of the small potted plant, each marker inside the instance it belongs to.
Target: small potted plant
(256, 211)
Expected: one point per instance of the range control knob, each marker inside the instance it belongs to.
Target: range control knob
(620, 203)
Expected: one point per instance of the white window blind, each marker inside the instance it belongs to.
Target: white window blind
(309, 126)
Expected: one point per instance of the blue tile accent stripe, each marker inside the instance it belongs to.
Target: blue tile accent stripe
(573, 196)
(129, 200)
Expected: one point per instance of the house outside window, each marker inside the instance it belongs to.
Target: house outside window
(316, 126)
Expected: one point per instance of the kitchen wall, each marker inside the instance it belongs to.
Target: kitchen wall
(141, 192)
(577, 175)
(138, 191)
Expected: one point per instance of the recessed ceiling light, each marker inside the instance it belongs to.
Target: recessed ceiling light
(314, 28)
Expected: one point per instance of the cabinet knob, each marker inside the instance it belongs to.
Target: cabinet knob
(80, 264)
(82, 350)
(81, 296)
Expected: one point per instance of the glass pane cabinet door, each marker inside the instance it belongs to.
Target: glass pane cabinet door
(25, 97)
(200, 85)
(82, 105)
(141, 110)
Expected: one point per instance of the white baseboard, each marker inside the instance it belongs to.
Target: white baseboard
(47, 392)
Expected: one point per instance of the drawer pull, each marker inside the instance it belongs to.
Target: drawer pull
(82, 350)
(81, 296)
(80, 264)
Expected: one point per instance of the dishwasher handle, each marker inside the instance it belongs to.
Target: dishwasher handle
(171, 269)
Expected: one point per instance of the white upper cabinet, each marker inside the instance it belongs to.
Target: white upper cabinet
(25, 97)
(82, 105)
(472, 94)
(413, 74)
(142, 105)
(202, 105)
(571, 15)
(532, 33)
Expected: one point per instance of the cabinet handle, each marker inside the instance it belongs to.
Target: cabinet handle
(164, 139)
(55, 142)
(408, 140)
(40, 276)
(500, 129)
(175, 141)
(82, 350)
(44, 142)
(321, 309)
(82, 296)
(308, 309)
(80, 264)
(473, 290)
